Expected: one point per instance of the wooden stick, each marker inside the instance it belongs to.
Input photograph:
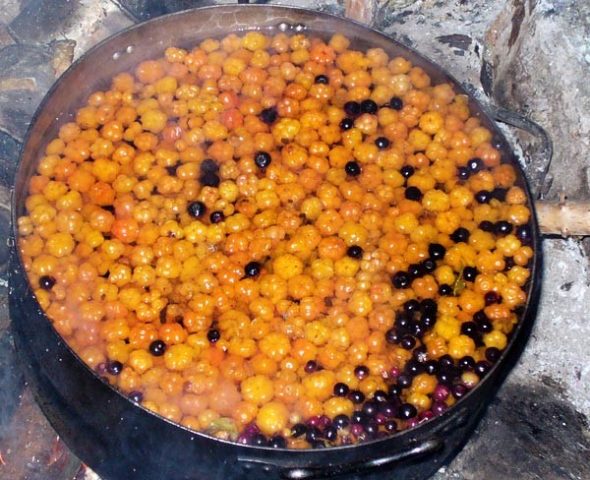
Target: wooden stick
(359, 10)
(564, 218)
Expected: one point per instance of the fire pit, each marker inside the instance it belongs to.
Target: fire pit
(52, 446)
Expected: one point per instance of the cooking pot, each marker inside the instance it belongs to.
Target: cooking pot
(120, 439)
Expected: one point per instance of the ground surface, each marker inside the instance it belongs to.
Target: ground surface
(532, 56)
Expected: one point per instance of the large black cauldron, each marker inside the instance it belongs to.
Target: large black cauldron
(121, 440)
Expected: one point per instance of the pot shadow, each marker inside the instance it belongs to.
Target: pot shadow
(529, 432)
(11, 377)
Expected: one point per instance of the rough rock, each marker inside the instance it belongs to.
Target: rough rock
(529, 433)
(528, 55)
(539, 51)
(86, 23)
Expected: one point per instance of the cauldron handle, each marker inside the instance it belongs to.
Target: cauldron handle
(330, 470)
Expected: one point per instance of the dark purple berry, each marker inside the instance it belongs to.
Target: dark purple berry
(313, 434)
(371, 429)
(446, 361)
(404, 381)
(356, 396)
(463, 173)
(368, 106)
(311, 366)
(394, 390)
(322, 79)
(428, 319)
(262, 160)
(401, 280)
(251, 429)
(341, 389)
(499, 193)
(353, 169)
(402, 320)
(428, 305)
(172, 169)
(252, 269)
(428, 265)
(407, 171)
(460, 235)
(331, 433)
(380, 419)
(352, 109)
(259, 440)
(469, 328)
(411, 306)
(341, 421)
(484, 324)
(370, 408)
(493, 354)
(441, 393)
(436, 251)
(361, 371)
(114, 368)
(209, 166)
(417, 329)
(480, 316)
(269, 115)
(431, 367)
(438, 408)
(524, 234)
(391, 336)
(196, 209)
(481, 368)
(483, 196)
(390, 426)
(508, 263)
(101, 369)
(413, 368)
(469, 274)
(413, 193)
(213, 335)
(420, 354)
(357, 417)
(135, 396)
(475, 164)
(346, 124)
(502, 228)
(209, 179)
(380, 396)
(217, 216)
(157, 348)
(446, 376)
(459, 391)
(492, 297)
(46, 282)
(277, 442)
(415, 270)
(298, 429)
(382, 143)
(396, 103)
(355, 252)
(486, 226)
(466, 363)
(388, 409)
(407, 411)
